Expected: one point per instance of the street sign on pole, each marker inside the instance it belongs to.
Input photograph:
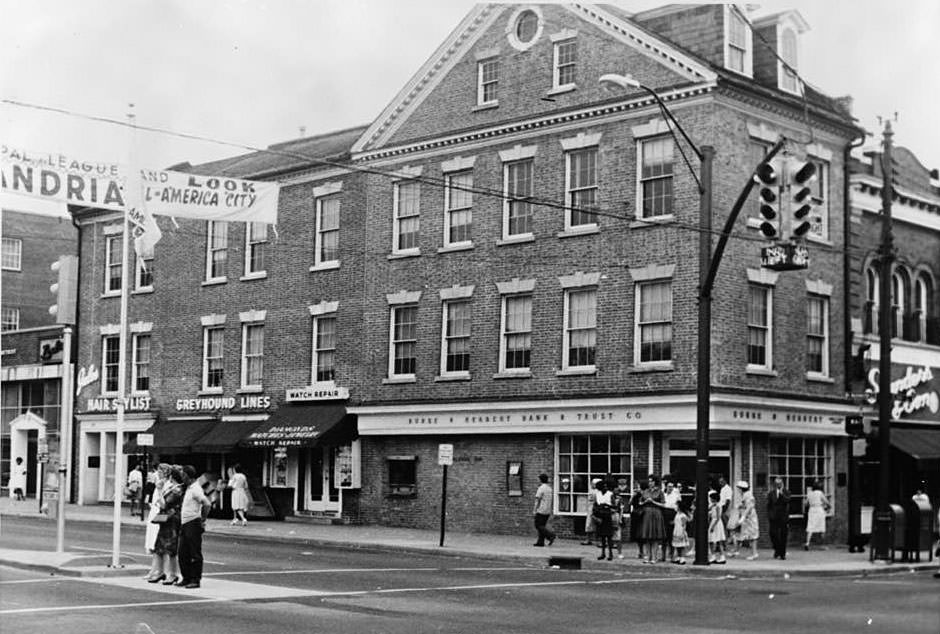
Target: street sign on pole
(445, 458)
(445, 455)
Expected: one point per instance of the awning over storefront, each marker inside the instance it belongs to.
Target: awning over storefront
(304, 426)
(922, 444)
(176, 436)
(225, 435)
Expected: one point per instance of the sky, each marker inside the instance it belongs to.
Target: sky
(248, 73)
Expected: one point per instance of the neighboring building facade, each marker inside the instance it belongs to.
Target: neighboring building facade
(32, 370)
(914, 324)
(505, 261)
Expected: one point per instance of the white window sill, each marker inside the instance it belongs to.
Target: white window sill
(653, 221)
(144, 394)
(489, 105)
(210, 391)
(410, 253)
(760, 371)
(107, 294)
(260, 275)
(513, 374)
(142, 291)
(819, 378)
(587, 370)
(662, 366)
(519, 239)
(214, 281)
(457, 246)
(325, 266)
(581, 230)
(108, 395)
(250, 389)
(404, 378)
(560, 90)
(453, 376)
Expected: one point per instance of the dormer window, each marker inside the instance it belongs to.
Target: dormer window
(738, 48)
(788, 55)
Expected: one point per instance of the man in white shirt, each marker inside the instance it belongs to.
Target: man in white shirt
(543, 511)
(725, 495)
(193, 515)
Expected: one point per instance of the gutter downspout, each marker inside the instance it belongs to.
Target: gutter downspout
(847, 350)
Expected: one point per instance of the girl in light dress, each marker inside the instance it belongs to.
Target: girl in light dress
(747, 522)
(716, 530)
(816, 505)
(680, 533)
(241, 501)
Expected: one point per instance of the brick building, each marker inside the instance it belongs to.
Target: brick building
(31, 373)
(914, 326)
(505, 260)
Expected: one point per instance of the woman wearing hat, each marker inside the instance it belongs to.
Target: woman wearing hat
(747, 512)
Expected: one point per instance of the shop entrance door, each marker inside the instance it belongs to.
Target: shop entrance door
(324, 496)
(682, 462)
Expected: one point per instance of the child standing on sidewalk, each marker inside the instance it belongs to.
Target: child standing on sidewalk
(680, 533)
(716, 530)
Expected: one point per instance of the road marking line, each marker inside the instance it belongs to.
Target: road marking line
(105, 606)
(136, 554)
(312, 571)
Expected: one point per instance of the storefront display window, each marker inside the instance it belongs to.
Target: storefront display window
(800, 462)
(402, 475)
(582, 458)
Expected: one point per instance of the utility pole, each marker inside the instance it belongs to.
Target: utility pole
(882, 528)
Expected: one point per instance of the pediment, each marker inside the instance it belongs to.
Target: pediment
(28, 420)
(442, 97)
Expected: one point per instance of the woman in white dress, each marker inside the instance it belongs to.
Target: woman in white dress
(241, 501)
(816, 506)
(157, 573)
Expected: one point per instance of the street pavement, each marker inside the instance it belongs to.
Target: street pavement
(829, 560)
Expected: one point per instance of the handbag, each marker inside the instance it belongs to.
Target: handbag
(160, 518)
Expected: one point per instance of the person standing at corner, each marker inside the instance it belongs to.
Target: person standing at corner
(193, 517)
(241, 501)
(543, 511)
(778, 516)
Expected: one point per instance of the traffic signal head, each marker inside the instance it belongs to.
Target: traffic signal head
(767, 177)
(802, 174)
(65, 289)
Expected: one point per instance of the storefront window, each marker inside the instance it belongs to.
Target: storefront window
(582, 458)
(800, 462)
(402, 475)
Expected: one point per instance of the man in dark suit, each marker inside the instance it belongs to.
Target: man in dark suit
(778, 512)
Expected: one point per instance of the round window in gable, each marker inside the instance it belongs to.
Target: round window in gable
(524, 28)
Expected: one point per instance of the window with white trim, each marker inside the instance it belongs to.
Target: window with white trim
(403, 342)
(140, 364)
(516, 333)
(565, 58)
(580, 336)
(252, 355)
(113, 261)
(10, 319)
(788, 53)
(407, 217)
(458, 208)
(819, 226)
(326, 242)
(110, 353)
(324, 347)
(11, 253)
(581, 188)
(923, 292)
(213, 358)
(455, 347)
(517, 205)
(653, 322)
(800, 462)
(817, 335)
(487, 81)
(256, 239)
(738, 44)
(216, 250)
(581, 458)
(655, 177)
(872, 299)
(144, 268)
(760, 327)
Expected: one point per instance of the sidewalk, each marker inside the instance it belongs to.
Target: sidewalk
(830, 560)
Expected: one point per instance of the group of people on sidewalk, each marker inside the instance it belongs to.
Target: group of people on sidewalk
(661, 519)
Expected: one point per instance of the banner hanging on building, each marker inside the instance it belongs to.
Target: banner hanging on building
(60, 178)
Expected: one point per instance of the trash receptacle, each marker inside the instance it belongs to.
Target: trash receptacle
(919, 534)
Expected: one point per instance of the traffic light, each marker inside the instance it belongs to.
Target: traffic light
(802, 174)
(65, 289)
(768, 180)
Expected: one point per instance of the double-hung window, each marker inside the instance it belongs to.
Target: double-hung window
(656, 177)
(9, 318)
(140, 377)
(581, 185)
(518, 188)
(110, 353)
(516, 339)
(213, 358)
(788, 59)
(654, 322)
(256, 238)
(580, 336)
(817, 335)
(458, 208)
(324, 347)
(455, 351)
(487, 81)
(216, 250)
(114, 260)
(565, 63)
(759, 327)
(144, 269)
(407, 217)
(403, 352)
(738, 45)
(326, 247)
(252, 355)
(921, 316)
(12, 254)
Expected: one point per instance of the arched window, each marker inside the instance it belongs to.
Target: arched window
(900, 304)
(923, 322)
(870, 317)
